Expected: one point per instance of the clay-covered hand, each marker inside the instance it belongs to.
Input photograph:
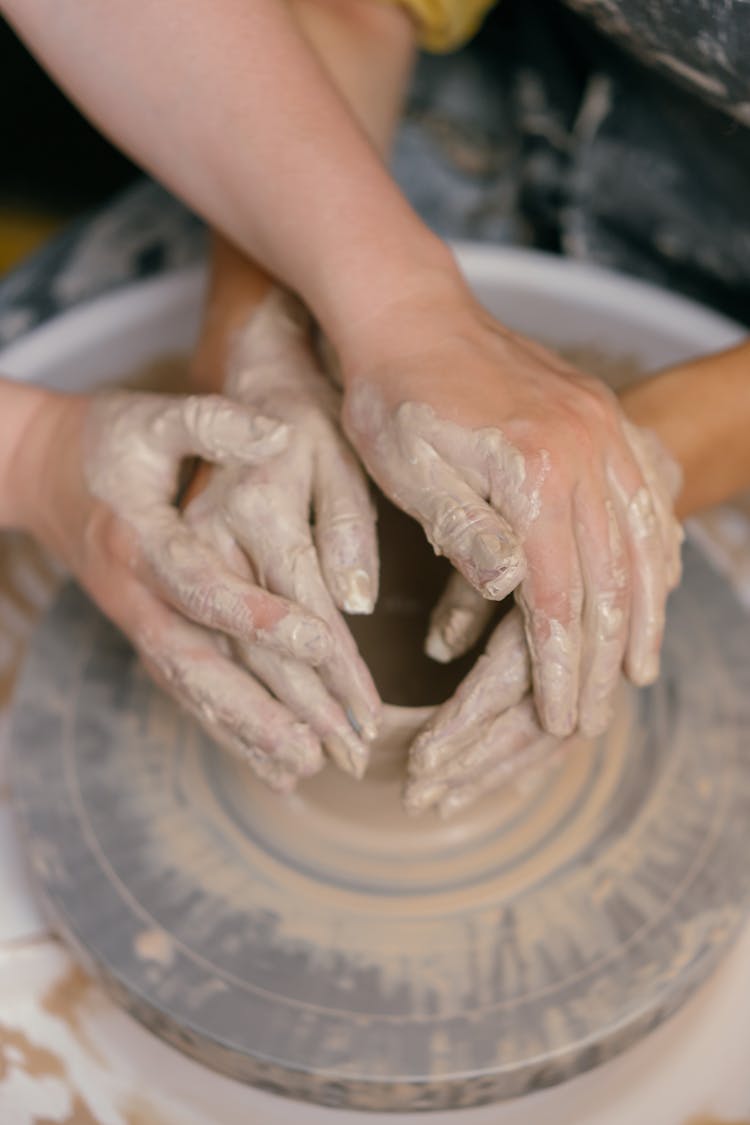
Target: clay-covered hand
(109, 473)
(302, 525)
(526, 474)
(486, 735)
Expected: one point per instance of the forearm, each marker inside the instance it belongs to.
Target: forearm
(268, 153)
(701, 413)
(367, 49)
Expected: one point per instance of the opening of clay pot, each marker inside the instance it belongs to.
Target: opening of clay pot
(392, 638)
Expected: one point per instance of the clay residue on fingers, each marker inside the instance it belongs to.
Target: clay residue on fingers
(457, 621)
(555, 653)
(478, 739)
(304, 522)
(438, 473)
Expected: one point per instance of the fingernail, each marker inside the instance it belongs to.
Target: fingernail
(304, 638)
(269, 437)
(348, 753)
(239, 427)
(357, 590)
(449, 635)
(302, 751)
(436, 648)
(646, 670)
(498, 565)
(364, 722)
(556, 707)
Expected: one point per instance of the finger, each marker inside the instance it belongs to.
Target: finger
(649, 590)
(507, 746)
(224, 699)
(606, 608)
(302, 691)
(278, 332)
(457, 621)
(664, 478)
(345, 533)
(546, 752)
(286, 563)
(194, 579)
(462, 526)
(509, 479)
(293, 683)
(218, 430)
(499, 680)
(551, 599)
(648, 568)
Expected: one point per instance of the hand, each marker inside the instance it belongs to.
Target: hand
(489, 733)
(258, 517)
(524, 472)
(485, 735)
(106, 472)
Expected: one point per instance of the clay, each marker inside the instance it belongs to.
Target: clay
(326, 931)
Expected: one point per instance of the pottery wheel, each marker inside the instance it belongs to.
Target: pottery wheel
(330, 948)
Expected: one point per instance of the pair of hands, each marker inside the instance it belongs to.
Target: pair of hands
(226, 602)
(520, 469)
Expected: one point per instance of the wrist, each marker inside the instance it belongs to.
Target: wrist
(36, 454)
(396, 308)
(22, 405)
(237, 286)
(700, 411)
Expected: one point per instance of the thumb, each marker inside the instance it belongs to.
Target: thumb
(220, 431)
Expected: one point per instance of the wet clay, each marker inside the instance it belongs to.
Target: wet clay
(392, 639)
(329, 946)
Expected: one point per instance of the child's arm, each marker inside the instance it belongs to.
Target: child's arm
(701, 413)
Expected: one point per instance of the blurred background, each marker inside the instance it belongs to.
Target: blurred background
(54, 165)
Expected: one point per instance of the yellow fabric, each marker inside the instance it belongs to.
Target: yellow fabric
(445, 25)
(21, 232)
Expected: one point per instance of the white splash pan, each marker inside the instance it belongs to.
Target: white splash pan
(693, 1063)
